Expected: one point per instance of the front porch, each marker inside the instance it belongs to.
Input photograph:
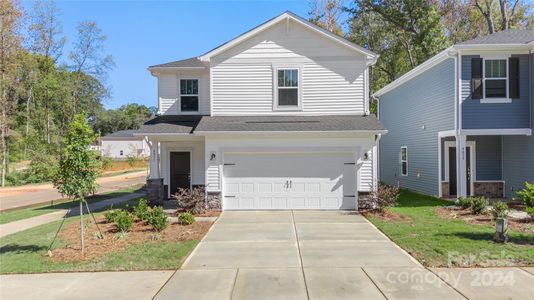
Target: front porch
(477, 170)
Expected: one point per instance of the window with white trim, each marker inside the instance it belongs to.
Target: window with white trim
(287, 88)
(188, 95)
(495, 78)
(404, 161)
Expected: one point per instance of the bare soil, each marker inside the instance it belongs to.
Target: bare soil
(124, 165)
(116, 241)
(523, 225)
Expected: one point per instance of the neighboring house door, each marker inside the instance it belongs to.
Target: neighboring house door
(289, 181)
(453, 171)
(180, 170)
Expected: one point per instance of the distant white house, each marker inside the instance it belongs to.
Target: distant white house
(121, 144)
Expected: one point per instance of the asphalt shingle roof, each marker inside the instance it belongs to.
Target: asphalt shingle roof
(289, 123)
(192, 62)
(121, 133)
(170, 124)
(510, 36)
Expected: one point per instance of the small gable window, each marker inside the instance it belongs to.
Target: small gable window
(188, 95)
(287, 88)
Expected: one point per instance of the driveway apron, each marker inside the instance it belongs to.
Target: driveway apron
(296, 255)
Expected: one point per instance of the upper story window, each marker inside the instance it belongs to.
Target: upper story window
(188, 95)
(287, 91)
(495, 78)
(404, 161)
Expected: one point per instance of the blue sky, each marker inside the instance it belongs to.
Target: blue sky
(143, 33)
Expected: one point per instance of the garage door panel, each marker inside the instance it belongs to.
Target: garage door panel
(288, 181)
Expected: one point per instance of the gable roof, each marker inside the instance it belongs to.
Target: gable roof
(287, 15)
(191, 62)
(507, 39)
(120, 134)
(509, 36)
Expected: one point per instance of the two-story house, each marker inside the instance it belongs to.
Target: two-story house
(277, 118)
(461, 123)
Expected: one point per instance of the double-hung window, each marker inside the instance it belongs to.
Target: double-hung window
(188, 95)
(495, 78)
(404, 161)
(287, 93)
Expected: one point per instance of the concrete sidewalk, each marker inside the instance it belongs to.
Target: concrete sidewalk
(17, 226)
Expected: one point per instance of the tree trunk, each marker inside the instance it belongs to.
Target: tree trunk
(504, 17)
(3, 133)
(81, 227)
(27, 133)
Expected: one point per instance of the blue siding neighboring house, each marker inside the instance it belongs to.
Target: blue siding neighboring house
(476, 97)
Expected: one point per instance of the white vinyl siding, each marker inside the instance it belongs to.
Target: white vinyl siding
(169, 90)
(366, 172)
(333, 77)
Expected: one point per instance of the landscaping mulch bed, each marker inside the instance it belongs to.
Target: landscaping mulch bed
(523, 225)
(115, 241)
(209, 213)
(385, 215)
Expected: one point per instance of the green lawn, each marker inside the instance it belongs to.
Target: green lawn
(28, 212)
(25, 252)
(431, 238)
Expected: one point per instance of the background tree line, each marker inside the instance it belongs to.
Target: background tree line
(408, 32)
(42, 88)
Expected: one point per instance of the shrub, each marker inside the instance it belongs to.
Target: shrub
(527, 194)
(141, 210)
(133, 161)
(124, 221)
(500, 210)
(384, 196)
(530, 212)
(186, 218)
(192, 201)
(158, 219)
(464, 202)
(478, 205)
(106, 162)
(111, 215)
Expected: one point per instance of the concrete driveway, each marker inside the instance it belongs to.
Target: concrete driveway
(299, 255)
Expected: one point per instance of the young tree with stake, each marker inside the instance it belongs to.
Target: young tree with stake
(78, 166)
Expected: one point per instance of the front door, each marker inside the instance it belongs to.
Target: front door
(453, 173)
(180, 171)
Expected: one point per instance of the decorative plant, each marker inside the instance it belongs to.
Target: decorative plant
(527, 194)
(192, 201)
(464, 202)
(158, 219)
(500, 210)
(124, 221)
(141, 210)
(384, 196)
(78, 165)
(478, 205)
(186, 218)
(111, 215)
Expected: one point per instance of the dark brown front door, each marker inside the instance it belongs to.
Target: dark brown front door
(452, 170)
(180, 171)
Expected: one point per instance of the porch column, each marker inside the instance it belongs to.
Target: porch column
(461, 174)
(154, 160)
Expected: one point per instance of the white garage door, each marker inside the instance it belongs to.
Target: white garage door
(289, 181)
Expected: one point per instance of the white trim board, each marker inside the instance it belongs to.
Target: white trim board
(505, 131)
(473, 165)
(286, 16)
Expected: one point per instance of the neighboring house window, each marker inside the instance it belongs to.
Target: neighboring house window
(404, 161)
(188, 95)
(287, 88)
(495, 78)
(121, 153)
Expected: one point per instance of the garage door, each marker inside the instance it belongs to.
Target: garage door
(289, 181)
